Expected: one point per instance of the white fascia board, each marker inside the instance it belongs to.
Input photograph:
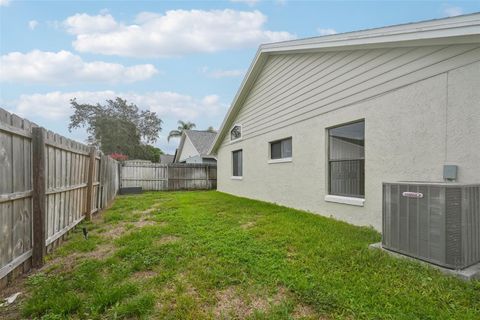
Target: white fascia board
(439, 28)
(247, 82)
(453, 30)
(178, 153)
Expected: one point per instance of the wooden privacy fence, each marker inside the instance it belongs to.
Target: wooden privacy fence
(48, 184)
(154, 176)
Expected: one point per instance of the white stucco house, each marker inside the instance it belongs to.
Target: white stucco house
(319, 123)
(194, 147)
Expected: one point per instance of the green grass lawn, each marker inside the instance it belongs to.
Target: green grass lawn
(203, 255)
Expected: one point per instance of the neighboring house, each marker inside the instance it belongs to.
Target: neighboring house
(194, 147)
(166, 158)
(319, 123)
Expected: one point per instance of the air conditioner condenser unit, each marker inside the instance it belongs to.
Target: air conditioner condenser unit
(435, 222)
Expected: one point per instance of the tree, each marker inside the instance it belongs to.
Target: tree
(117, 126)
(148, 152)
(211, 129)
(182, 126)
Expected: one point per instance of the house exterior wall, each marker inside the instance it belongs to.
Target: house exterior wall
(188, 150)
(194, 159)
(421, 108)
(199, 159)
(209, 161)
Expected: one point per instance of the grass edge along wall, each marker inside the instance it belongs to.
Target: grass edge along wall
(418, 99)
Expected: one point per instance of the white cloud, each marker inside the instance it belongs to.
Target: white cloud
(82, 23)
(4, 3)
(219, 73)
(250, 3)
(177, 32)
(32, 24)
(64, 67)
(56, 105)
(451, 11)
(326, 31)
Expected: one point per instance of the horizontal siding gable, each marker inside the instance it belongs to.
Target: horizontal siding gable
(295, 87)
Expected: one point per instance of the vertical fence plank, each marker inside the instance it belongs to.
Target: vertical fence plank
(46, 175)
(91, 170)
(39, 247)
(153, 176)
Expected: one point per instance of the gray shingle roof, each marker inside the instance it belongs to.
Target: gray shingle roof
(202, 140)
(166, 158)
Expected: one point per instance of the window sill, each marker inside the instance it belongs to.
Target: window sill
(359, 202)
(283, 160)
(236, 178)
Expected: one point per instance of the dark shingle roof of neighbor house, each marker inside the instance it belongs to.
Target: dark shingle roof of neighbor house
(166, 158)
(201, 140)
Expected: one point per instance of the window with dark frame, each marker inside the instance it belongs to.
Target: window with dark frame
(346, 160)
(281, 149)
(236, 132)
(237, 162)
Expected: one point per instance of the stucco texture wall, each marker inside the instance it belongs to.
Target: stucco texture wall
(410, 133)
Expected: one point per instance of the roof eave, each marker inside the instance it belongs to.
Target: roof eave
(178, 152)
(456, 30)
(247, 81)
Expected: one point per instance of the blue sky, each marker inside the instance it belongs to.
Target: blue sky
(183, 59)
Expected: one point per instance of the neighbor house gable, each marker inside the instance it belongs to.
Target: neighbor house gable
(186, 149)
(194, 143)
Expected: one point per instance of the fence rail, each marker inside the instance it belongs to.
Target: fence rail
(48, 184)
(160, 177)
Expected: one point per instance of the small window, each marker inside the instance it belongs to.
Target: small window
(236, 132)
(237, 162)
(346, 160)
(281, 149)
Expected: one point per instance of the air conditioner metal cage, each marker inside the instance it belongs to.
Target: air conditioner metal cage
(435, 222)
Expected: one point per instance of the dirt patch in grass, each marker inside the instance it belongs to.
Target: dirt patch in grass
(149, 211)
(303, 311)
(146, 274)
(144, 222)
(114, 233)
(12, 311)
(61, 263)
(120, 229)
(230, 303)
(248, 225)
(68, 263)
(167, 239)
(155, 207)
(292, 253)
(101, 252)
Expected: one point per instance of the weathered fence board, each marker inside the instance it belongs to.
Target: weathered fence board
(149, 176)
(47, 197)
(109, 176)
(159, 177)
(15, 191)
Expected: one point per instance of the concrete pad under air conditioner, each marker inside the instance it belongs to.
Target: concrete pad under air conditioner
(467, 274)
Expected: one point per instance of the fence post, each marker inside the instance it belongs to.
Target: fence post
(38, 198)
(119, 175)
(207, 173)
(169, 166)
(91, 166)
